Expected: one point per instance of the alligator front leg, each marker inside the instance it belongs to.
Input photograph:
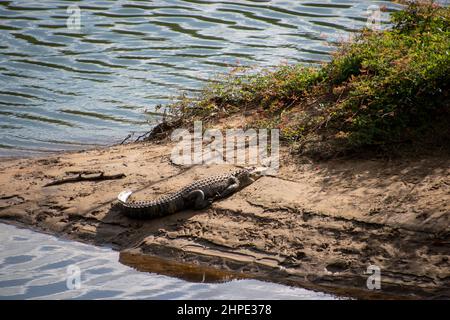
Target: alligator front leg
(200, 202)
(232, 187)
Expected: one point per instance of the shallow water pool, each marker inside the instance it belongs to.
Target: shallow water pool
(39, 266)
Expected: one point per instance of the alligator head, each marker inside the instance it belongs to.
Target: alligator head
(251, 174)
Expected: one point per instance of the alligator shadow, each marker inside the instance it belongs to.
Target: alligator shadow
(124, 234)
(172, 268)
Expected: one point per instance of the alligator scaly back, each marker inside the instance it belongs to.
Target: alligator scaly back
(197, 195)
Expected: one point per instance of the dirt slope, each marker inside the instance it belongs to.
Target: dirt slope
(316, 225)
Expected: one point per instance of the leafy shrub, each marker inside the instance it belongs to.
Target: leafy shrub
(384, 88)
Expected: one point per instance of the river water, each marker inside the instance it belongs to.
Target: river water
(39, 266)
(65, 85)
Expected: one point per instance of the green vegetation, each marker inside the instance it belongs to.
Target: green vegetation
(382, 89)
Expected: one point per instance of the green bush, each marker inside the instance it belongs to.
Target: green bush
(383, 88)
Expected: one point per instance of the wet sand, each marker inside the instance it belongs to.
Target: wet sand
(315, 225)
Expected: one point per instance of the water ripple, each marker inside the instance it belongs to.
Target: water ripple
(59, 84)
(34, 266)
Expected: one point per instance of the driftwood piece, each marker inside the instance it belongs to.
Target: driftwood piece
(100, 177)
(83, 172)
(161, 131)
(158, 132)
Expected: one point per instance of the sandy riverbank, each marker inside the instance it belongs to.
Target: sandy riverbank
(316, 225)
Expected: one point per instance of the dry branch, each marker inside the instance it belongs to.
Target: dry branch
(80, 178)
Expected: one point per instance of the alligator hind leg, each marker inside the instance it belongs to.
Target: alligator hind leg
(200, 202)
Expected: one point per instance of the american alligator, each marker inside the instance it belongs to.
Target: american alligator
(197, 195)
